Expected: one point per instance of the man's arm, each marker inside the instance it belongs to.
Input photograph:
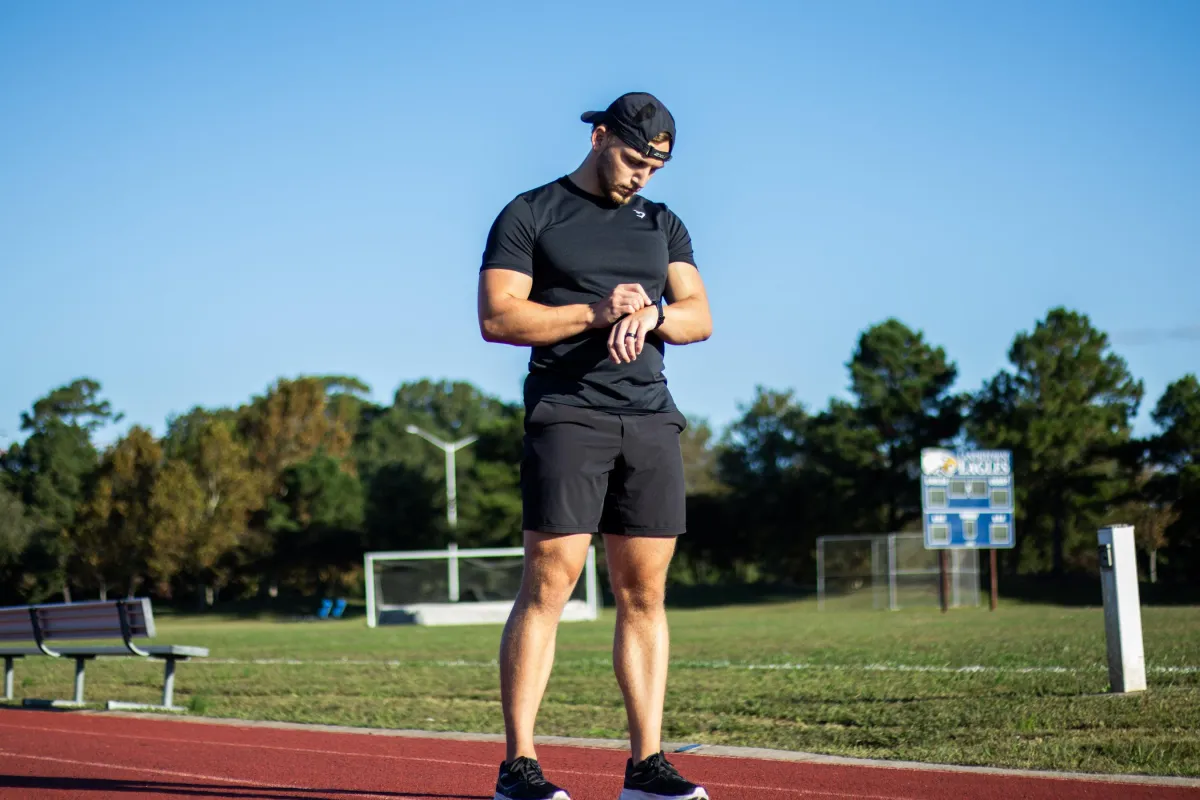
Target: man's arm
(686, 318)
(508, 316)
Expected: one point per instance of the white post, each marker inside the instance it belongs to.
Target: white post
(451, 491)
(369, 575)
(453, 567)
(449, 448)
(1122, 609)
(893, 600)
(593, 586)
(820, 573)
(877, 574)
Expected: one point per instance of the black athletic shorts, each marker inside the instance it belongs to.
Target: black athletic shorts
(589, 471)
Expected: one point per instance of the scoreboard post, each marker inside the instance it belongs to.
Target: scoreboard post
(967, 503)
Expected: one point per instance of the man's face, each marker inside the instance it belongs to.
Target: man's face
(623, 171)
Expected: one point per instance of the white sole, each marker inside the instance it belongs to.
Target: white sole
(638, 794)
(559, 795)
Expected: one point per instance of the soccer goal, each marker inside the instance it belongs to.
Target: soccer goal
(891, 571)
(460, 586)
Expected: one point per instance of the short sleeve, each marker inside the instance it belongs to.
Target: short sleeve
(511, 239)
(679, 241)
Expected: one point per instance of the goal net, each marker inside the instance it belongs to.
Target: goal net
(891, 571)
(459, 586)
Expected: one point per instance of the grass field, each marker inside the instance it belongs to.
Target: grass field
(1022, 687)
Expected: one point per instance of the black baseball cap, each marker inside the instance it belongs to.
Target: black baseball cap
(636, 118)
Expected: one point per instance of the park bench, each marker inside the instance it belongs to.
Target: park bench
(104, 621)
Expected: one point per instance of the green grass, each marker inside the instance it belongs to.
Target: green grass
(779, 675)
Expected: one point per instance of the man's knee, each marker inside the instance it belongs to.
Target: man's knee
(548, 591)
(642, 599)
(548, 585)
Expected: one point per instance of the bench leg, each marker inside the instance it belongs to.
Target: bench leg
(169, 683)
(168, 695)
(8, 677)
(76, 702)
(79, 663)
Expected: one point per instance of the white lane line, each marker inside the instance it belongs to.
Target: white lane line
(690, 664)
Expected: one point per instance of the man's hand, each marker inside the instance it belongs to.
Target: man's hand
(627, 337)
(626, 299)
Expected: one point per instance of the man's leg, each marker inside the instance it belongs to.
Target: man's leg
(637, 567)
(553, 564)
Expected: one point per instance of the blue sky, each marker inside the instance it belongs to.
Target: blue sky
(196, 199)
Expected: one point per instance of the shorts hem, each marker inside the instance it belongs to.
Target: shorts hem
(557, 528)
(662, 533)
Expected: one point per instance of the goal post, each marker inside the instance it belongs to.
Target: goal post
(460, 586)
(890, 571)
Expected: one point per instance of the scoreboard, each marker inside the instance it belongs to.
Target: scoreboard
(967, 498)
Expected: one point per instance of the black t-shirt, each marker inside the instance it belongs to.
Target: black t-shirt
(578, 247)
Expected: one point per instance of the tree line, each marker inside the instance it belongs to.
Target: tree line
(285, 492)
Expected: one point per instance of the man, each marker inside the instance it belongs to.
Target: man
(578, 269)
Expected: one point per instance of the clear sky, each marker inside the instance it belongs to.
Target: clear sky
(199, 198)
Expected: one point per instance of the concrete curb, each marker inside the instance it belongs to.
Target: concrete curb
(715, 750)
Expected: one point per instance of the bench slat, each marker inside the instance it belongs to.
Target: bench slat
(84, 620)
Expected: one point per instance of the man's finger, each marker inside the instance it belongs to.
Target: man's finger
(645, 296)
(615, 336)
(629, 344)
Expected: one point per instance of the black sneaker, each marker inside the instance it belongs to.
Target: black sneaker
(657, 779)
(521, 779)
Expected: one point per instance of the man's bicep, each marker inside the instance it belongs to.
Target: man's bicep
(497, 286)
(683, 281)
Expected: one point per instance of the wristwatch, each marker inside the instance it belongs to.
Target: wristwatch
(662, 313)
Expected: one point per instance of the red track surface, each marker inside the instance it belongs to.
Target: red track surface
(46, 756)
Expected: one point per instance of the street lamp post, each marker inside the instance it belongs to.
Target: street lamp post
(449, 448)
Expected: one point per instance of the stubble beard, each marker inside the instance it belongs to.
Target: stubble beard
(620, 194)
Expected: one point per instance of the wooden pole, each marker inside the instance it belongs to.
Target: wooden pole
(995, 580)
(945, 580)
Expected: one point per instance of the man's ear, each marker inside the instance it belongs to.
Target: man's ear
(599, 138)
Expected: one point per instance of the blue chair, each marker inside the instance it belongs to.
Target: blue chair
(339, 607)
(326, 606)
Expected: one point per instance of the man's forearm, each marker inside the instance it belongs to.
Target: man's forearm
(686, 321)
(524, 322)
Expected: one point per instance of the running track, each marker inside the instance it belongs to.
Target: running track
(54, 755)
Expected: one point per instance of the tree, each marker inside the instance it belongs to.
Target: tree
(404, 476)
(759, 459)
(117, 524)
(902, 386)
(203, 507)
(49, 472)
(1176, 453)
(1065, 412)
(317, 523)
(490, 508)
(698, 447)
(16, 530)
(290, 424)
(77, 404)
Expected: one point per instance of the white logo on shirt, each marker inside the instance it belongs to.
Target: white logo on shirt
(641, 214)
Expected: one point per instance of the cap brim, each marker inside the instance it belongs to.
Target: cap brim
(594, 117)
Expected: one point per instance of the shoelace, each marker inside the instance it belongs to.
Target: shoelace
(529, 770)
(658, 764)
